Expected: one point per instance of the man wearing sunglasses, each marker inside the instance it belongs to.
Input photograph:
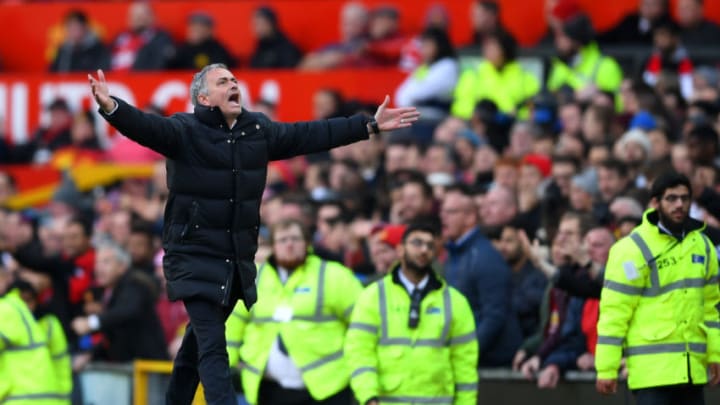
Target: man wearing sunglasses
(411, 337)
(658, 304)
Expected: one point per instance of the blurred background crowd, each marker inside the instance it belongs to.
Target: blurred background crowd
(552, 156)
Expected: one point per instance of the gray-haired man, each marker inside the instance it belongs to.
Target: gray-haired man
(217, 164)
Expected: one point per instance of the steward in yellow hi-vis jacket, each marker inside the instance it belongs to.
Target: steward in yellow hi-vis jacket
(27, 376)
(290, 345)
(412, 337)
(658, 304)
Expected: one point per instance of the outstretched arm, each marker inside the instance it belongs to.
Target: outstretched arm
(157, 133)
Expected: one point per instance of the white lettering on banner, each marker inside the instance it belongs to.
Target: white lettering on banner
(18, 117)
(4, 120)
(19, 124)
(169, 91)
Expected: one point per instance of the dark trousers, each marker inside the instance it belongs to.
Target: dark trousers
(271, 393)
(203, 357)
(685, 394)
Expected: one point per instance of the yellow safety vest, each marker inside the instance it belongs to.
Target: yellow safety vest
(26, 371)
(321, 295)
(435, 363)
(509, 88)
(658, 308)
(593, 67)
(58, 347)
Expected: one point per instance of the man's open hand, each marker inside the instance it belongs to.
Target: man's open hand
(100, 91)
(389, 119)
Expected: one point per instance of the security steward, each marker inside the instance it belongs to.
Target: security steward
(27, 376)
(412, 337)
(658, 304)
(290, 345)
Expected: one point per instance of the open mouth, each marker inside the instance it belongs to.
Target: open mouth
(234, 98)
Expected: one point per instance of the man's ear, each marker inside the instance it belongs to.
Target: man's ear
(203, 99)
(654, 203)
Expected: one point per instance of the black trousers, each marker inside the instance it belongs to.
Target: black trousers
(271, 393)
(684, 394)
(203, 357)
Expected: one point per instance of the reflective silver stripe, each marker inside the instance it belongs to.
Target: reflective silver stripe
(383, 309)
(409, 342)
(263, 319)
(417, 400)
(448, 315)
(320, 290)
(61, 355)
(322, 361)
(707, 254)
(712, 324)
(48, 395)
(363, 326)
(30, 346)
(623, 288)
(610, 340)
(363, 370)
(468, 337)
(698, 347)
(50, 331)
(234, 343)
(348, 312)
(251, 369)
(466, 387)
(665, 348)
(649, 259)
(713, 279)
(26, 323)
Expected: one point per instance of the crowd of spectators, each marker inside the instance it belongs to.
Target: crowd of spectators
(540, 175)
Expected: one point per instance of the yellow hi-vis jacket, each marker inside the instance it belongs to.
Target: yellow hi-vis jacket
(509, 88)
(658, 307)
(58, 347)
(311, 312)
(26, 371)
(435, 363)
(591, 67)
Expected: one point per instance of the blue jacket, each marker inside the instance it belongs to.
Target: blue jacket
(478, 271)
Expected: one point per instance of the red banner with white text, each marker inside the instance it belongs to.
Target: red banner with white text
(23, 97)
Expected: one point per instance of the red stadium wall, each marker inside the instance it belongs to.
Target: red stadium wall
(22, 96)
(29, 30)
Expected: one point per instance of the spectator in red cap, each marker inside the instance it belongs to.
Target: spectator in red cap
(382, 242)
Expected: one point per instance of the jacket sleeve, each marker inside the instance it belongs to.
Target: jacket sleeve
(300, 138)
(494, 287)
(131, 302)
(533, 342)
(463, 351)
(578, 282)
(235, 332)
(344, 288)
(573, 343)
(625, 280)
(712, 305)
(609, 75)
(361, 344)
(465, 95)
(529, 296)
(160, 134)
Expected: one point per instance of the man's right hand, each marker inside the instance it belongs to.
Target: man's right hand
(606, 387)
(100, 91)
(531, 367)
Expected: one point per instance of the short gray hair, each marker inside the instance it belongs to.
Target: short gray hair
(199, 82)
(120, 254)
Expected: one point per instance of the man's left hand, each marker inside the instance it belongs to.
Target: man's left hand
(81, 326)
(714, 373)
(389, 119)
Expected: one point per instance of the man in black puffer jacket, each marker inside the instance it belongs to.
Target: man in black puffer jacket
(217, 164)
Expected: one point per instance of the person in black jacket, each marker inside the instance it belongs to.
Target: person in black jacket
(82, 50)
(201, 47)
(273, 49)
(217, 161)
(127, 317)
